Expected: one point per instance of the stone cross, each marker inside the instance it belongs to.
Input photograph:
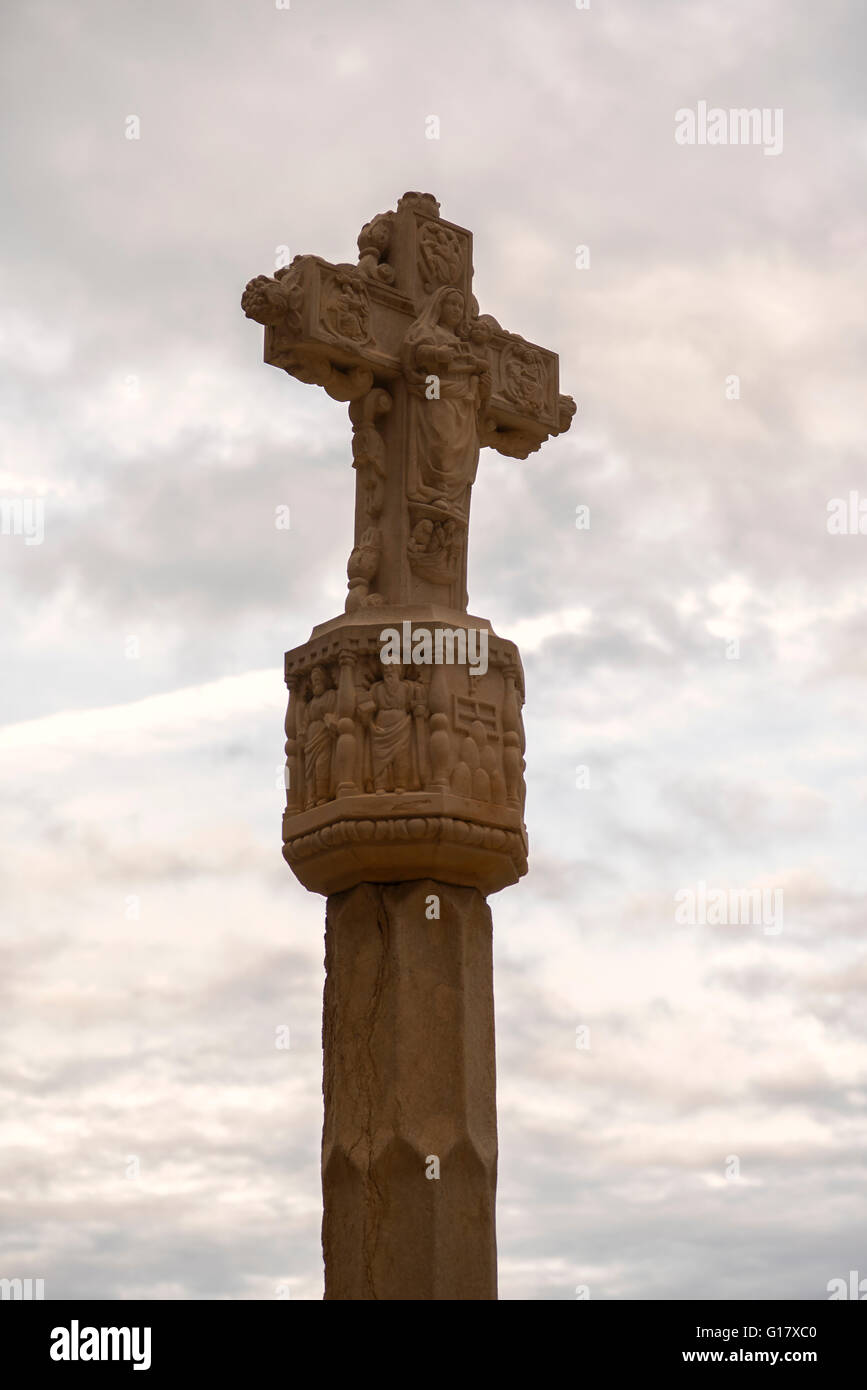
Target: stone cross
(404, 773)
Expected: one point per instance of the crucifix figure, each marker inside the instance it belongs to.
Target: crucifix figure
(404, 775)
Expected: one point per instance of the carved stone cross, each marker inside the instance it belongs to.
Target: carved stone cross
(404, 781)
(429, 381)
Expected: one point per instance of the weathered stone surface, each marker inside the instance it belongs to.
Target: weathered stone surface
(429, 381)
(405, 776)
(399, 773)
(409, 1076)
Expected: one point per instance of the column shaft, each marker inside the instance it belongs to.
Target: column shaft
(409, 1148)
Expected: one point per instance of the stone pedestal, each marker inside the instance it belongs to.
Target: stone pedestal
(409, 1150)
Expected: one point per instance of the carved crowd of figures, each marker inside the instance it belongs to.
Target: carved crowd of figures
(367, 728)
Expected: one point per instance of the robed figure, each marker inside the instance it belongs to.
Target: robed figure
(448, 382)
(392, 707)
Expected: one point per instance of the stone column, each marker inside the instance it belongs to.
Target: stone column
(423, 821)
(409, 1150)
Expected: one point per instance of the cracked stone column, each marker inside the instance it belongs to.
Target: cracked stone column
(409, 1150)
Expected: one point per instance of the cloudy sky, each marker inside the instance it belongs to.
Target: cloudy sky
(699, 649)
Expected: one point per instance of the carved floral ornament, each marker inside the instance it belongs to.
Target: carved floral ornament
(278, 299)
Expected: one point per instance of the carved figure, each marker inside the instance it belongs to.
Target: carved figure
(361, 567)
(373, 242)
(440, 253)
(444, 430)
(345, 310)
(389, 711)
(434, 549)
(524, 377)
(318, 733)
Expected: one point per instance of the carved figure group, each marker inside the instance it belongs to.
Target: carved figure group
(379, 730)
(345, 310)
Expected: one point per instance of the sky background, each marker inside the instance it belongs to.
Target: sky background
(154, 1142)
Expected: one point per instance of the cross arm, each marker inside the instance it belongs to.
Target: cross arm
(525, 407)
(329, 325)
(342, 326)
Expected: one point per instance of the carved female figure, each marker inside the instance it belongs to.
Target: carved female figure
(444, 415)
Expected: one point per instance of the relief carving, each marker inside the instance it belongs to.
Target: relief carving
(361, 568)
(345, 308)
(360, 730)
(444, 426)
(478, 772)
(278, 299)
(524, 377)
(394, 713)
(368, 456)
(292, 777)
(513, 740)
(435, 545)
(368, 449)
(440, 255)
(317, 736)
(374, 240)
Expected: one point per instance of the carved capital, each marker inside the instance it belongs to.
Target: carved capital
(414, 769)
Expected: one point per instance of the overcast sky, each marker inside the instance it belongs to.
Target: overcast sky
(701, 649)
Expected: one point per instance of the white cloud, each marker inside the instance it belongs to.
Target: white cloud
(153, 938)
